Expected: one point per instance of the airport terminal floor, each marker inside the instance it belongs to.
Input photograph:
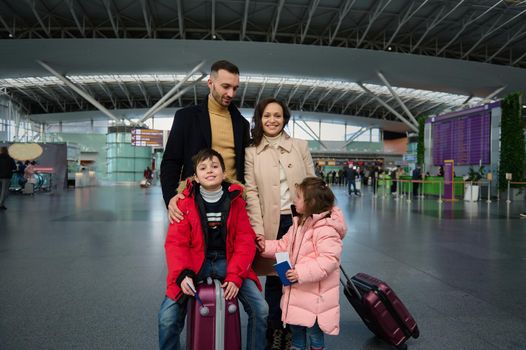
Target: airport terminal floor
(86, 269)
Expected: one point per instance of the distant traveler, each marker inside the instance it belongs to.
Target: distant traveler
(7, 167)
(395, 175)
(374, 177)
(416, 176)
(29, 171)
(351, 174)
(148, 174)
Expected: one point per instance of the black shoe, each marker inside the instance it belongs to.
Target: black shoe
(287, 339)
(522, 215)
(3, 207)
(274, 341)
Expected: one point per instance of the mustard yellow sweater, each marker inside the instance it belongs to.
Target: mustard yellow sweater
(222, 134)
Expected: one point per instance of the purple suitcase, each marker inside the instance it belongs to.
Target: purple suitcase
(380, 309)
(215, 324)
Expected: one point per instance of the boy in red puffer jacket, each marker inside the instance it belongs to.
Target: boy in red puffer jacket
(214, 239)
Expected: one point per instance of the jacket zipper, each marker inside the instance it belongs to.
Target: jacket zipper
(295, 261)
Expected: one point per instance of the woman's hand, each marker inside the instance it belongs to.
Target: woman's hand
(231, 290)
(292, 275)
(260, 243)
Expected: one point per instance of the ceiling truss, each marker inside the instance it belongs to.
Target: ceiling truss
(479, 30)
(45, 95)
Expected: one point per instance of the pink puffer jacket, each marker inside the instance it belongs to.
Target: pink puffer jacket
(314, 251)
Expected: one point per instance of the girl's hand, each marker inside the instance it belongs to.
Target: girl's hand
(260, 243)
(292, 275)
(230, 290)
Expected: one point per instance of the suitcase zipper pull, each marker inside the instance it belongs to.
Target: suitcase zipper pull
(203, 311)
(196, 295)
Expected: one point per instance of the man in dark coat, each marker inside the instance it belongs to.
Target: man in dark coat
(350, 174)
(7, 166)
(216, 124)
(374, 177)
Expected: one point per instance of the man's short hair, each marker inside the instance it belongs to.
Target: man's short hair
(226, 65)
(207, 153)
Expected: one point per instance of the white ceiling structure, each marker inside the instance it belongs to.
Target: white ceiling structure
(386, 60)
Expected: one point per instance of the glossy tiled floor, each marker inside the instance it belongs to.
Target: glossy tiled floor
(85, 269)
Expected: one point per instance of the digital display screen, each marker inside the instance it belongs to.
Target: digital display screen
(464, 139)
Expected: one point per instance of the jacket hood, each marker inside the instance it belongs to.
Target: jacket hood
(333, 218)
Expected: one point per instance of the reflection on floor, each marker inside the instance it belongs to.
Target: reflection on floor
(86, 270)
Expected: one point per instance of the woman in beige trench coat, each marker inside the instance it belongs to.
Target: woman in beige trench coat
(274, 164)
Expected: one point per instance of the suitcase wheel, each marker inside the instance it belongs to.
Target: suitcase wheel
(402, 347)
(416, 333)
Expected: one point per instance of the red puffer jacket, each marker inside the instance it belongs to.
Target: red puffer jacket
(185, 243)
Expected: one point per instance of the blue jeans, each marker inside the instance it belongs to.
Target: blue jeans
(172, 315)
(300, 333)
(351, 183)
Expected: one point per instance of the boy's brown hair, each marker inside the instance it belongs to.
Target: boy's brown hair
(207, 153)
(317, 196)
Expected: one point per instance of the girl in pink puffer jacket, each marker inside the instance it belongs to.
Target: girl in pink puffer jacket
(314, 242)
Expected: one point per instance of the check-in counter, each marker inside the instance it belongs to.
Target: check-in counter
(433, 185)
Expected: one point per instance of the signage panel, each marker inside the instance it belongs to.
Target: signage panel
(147, 137)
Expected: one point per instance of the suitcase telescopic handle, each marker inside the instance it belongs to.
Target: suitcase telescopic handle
(344, 273)
(350, 282)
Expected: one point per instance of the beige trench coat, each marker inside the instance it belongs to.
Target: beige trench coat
(262, 186)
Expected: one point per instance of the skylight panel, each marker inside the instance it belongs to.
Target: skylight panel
(269, 81)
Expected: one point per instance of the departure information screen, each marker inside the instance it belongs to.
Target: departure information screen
(464, 139)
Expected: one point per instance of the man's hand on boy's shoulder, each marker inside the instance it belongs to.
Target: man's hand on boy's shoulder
(174, 213)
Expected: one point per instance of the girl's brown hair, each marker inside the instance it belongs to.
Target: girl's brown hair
(317, 196)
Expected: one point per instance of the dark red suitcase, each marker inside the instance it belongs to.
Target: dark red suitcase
(380, 309)
(215, 324)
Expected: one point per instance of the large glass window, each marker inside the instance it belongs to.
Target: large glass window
(333, 131)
